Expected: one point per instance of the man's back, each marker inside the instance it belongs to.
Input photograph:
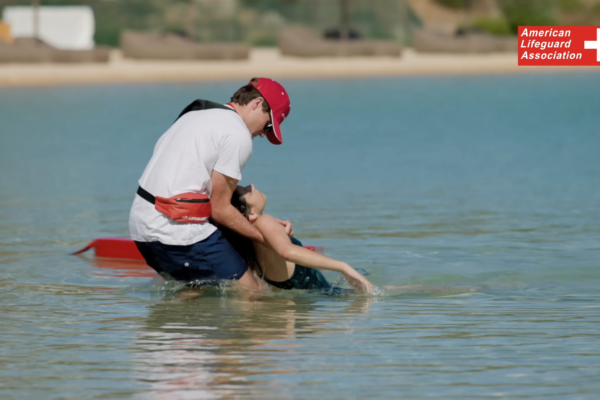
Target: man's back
(183, 160)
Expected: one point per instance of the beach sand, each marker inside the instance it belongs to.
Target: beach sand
(266, 62)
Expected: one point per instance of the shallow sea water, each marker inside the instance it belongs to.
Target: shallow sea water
(479, 196)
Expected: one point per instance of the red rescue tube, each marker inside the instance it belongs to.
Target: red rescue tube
(318, 249)
(125, 249)
(122, 248)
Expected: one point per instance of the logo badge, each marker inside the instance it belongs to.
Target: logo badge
(559, 45)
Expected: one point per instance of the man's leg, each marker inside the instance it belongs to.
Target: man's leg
(203, 263)
(229, 264)
(146, 248)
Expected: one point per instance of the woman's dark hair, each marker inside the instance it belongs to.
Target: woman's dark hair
(241, 244)
(247, 93)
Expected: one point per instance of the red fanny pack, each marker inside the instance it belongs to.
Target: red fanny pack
(193, 208)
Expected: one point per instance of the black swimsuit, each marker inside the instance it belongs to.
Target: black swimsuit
(307, 279)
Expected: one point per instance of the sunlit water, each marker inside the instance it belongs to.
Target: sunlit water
(480, 194)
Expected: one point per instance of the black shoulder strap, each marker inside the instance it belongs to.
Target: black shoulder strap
(198, 105)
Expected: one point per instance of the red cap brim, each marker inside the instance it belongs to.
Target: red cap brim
(275, 135)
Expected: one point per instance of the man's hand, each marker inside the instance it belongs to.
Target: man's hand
(288, 227)
(224, 213)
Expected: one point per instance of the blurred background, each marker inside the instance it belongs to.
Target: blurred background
(427, 25)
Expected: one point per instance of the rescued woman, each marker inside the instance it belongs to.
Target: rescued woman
(283, 262)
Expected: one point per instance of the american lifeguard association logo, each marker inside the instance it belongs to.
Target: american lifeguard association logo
(559, 45)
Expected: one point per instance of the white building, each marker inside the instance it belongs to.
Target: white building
(63, 27)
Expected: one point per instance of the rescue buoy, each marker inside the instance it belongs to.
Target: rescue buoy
(125, 249)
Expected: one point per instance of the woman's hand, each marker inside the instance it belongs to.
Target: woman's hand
(357, 280)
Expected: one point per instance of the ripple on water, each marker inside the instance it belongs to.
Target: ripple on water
(475, 197)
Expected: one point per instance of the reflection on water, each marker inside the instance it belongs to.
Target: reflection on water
(216, 347)
(121, 268)
(221, 347)
(477, 197)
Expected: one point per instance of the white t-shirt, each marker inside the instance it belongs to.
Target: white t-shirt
(183, 160)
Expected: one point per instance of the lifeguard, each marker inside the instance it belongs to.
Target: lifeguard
(194, 170)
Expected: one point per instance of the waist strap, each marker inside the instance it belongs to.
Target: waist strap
(145, 195)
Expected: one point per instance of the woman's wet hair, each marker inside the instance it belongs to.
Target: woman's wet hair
(241, 244)
(240, 204)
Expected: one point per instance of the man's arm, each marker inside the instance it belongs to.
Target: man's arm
(224, 213)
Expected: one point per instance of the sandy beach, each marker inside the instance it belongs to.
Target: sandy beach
(266, 62)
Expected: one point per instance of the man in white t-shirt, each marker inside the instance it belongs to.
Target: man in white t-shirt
(204, 152)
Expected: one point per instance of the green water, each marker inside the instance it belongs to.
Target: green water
(480, 195)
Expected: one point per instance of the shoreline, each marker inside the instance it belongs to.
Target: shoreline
(267, 62)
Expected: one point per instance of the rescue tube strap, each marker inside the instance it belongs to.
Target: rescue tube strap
(198, 105)
(145, 195)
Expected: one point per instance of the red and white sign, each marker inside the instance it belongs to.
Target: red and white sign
(559, 45)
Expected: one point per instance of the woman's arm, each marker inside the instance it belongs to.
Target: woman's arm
(277, 239)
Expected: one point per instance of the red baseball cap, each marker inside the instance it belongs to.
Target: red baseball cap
(279, 102)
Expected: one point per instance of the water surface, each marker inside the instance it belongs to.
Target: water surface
(482, 194)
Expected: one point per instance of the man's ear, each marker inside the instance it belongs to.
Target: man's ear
(254, 104)
(258, 102)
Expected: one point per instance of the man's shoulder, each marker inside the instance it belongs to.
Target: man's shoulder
(220, 115)
(220, 120)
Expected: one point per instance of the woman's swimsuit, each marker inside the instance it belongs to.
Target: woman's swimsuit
(307, 279)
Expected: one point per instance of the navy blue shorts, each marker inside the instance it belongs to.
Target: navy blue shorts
(205, 262)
